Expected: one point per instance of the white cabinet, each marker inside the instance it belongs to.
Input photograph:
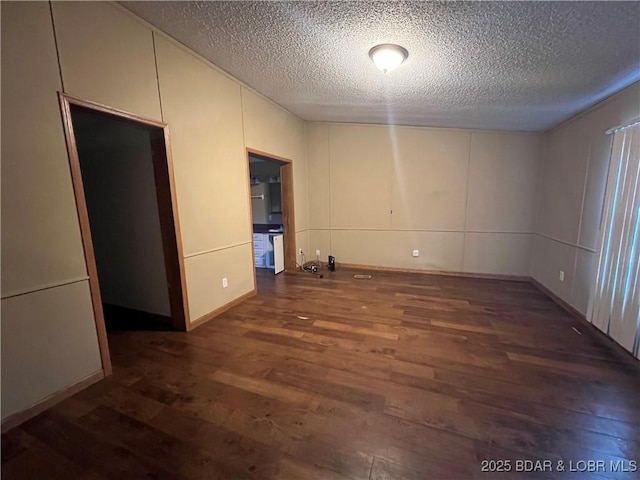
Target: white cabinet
(278, 253)
(268, 251)
(259, 250)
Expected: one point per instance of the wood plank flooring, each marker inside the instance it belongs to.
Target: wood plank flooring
(403, 376)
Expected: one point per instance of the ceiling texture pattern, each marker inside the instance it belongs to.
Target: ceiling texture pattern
(491, 65)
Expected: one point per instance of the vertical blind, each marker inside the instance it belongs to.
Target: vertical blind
(614, 304)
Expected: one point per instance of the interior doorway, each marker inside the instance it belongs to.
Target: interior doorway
(272, 211)
(123, 183)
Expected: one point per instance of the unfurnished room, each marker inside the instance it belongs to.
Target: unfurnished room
(333, 240)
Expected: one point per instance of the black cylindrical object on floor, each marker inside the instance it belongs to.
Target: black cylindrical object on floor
(332, 263)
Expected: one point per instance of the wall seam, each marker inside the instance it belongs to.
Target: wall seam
(306, 177)
(155, 60)
(584, 194)
(330, 190)
(564, 242)
(213, 250)
(197, 56)
(426, 230)
(244, 140)
(247, 175)
(432, 127)
(55, 42)
(536, 220)
(63, 283)
(393, 167)
(587, 110)
(466, 202)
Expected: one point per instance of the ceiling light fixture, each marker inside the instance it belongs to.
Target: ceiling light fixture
(388, 56)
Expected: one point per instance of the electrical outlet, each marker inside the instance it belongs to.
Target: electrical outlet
(415, 253)
(317, 253)
(561, 276)
(300, 251)
(225, 283)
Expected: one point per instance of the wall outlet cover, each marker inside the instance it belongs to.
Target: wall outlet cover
(317, 253)
(561, 276)
(225, 283)
(415, 253)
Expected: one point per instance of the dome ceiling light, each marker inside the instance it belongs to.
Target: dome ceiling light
(388, 56)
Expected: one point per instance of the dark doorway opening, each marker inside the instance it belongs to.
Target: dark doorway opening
(123, 183)
(117, 174)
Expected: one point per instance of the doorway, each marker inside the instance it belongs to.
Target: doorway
(272, 211)
(123, 183)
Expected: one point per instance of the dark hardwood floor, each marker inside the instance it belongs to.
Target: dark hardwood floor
(403, 376)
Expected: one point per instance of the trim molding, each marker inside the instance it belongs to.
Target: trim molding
(570, 309)
(433, 127)
(586, 111)
(83, 221)
(212, 250)
(46, 403)
(427, 230)
(162, 161)
(18, 418)
(624, 126)
(564, 242)
(47, 286)
(609, 342)
(488, 276)
(602, 337)
(211, 315)
(288, 205)
(111, 110)
(266, 156)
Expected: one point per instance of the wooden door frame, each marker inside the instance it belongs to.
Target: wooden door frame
(288, 207)
(167, 207)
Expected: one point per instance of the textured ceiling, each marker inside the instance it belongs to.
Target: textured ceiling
(492, 65)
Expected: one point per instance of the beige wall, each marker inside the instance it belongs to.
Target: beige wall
(572, 183)
(464, 199)
(203, 109)
(272, 130)
(107, 55)
(49, 342)
(48, 333)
